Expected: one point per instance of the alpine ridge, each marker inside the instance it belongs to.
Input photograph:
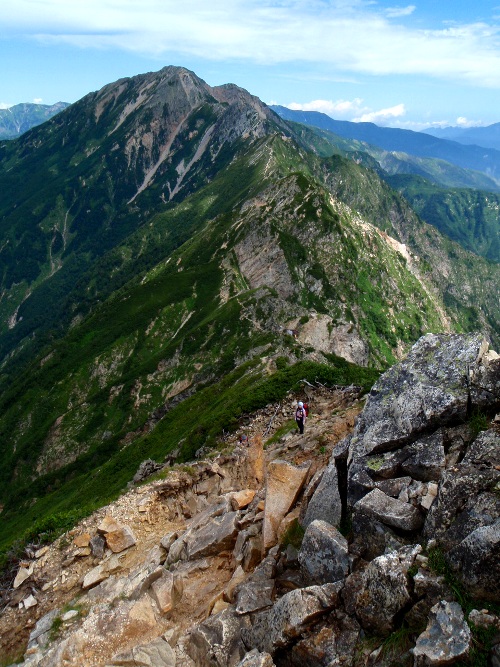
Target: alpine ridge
(175, 256)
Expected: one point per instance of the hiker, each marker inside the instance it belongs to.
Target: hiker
(243, 439)
(300, 416)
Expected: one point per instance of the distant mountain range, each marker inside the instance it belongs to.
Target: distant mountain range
(488, 137)
(418, 144)
(20, 118)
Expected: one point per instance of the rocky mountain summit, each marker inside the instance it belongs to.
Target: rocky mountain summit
(371, 540)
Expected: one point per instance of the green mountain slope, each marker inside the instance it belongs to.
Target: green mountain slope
(200, 265)
(470, 217)
(20, 118)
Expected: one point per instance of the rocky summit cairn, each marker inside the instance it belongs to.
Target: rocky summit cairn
(378, 548)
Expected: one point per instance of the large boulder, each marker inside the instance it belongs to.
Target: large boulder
(430, 388)
(290, 617)
(477, 559)
(257, 591)
(325, 503)
(380, 592)
(323, 555)
(465, 519)
(447, 637)
(390, 511)
(331, 643)
(217, 641)
(157, 653)
(283, 485)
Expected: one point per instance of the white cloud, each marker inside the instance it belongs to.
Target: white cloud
(349, 37)
(353, 110)
(461, 121)
(397, 12)
(337, 109)
(381, 117)
(38, 100)
(5, 105)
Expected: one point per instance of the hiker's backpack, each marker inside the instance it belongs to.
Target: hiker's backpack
(306, 409)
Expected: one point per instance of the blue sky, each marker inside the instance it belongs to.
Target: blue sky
(403, 65)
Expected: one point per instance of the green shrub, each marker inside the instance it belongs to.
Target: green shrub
(293, 535)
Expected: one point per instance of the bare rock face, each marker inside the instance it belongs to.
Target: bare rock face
(218, 640)
(381, 591)
(290, 616)
(284, 483)
(447, 637)
(257, 592)
(430, 388)
(325, 503)
(167, 591)
(157, 653)
(323, 555)
(333, 643)
(390, 511)
(466, 516)
(257, 659)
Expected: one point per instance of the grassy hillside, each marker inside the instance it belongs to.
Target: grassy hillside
(470, 217)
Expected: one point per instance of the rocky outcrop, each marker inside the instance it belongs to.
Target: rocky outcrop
(230, 580)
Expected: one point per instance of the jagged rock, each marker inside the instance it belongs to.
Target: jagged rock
(287, 522)
(108, 525)
(485, 380)
(23, 574)
(459, 491)
(257, 591)
(381, 591)
(121, 539)
(256, 463)
(485, 450)
(333, 643)
(447, 637)
(82, 541)
(140, 579)
(157, 653)
(217, 641)
(145, 470)
(393, 487)
(167, 591)
(238, 577)
(325, 503)
(257, 659)
(200, 535)
(30, 601)
(477, 559)
(240, 499)
(98, 546)
(290, 617)
(218, 535)
(426, 458)
(284, 483)
(430, 388)
(40, 633)
(390, 511)
(167, 541)
(323, 555)
(482, 619)
(101, 572)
